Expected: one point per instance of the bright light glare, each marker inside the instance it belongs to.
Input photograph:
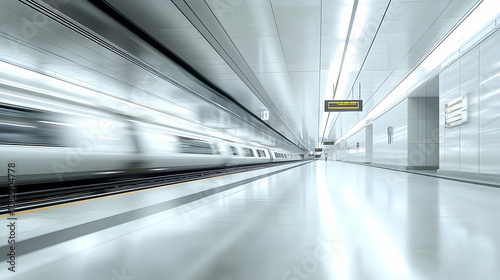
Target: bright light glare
(359, 21)
(19, 125)
(334, 71)
(57, 123)
(19, 71)
(345, 20)
(388, 250)
(53, 104)
(491, 78)
(108, 172)
(350, 198)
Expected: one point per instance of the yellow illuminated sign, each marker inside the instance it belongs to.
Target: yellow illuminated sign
(343, 105)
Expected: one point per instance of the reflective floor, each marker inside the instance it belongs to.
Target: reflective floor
(322, 220)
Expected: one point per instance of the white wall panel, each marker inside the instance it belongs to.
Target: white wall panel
(369, 143)
(421, 155)
(489, 152)
(489, 86)
(355, 153)
(452, 81)
(453, 148)
(432, 108)
(442, 130)
(469, 150)
(412, 108)
(412, 131)
(412, 154)
(422, 130)
(442, 85)
(432, 154)
(421, 108)
(442, 157)
(432, 131)
(397, 152)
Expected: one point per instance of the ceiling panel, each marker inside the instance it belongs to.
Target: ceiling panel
(299, 29)
(265, 67)
(247, 16)
(179, 33)
(418, 10)
(297, 14)
(260, 49)
(253, 30)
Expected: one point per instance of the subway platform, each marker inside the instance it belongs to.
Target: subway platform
(315, 220)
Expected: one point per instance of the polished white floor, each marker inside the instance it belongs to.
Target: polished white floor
(323, 220)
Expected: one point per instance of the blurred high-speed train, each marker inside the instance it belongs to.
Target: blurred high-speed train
(53, 147)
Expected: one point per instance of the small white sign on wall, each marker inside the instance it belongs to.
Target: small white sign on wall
(456, 111)
(264, 115)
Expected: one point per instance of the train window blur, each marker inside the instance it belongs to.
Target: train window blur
(234, 151)
(28, 127)
(261, 153)
(194, 146)
(247, 152)
(216, 149)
